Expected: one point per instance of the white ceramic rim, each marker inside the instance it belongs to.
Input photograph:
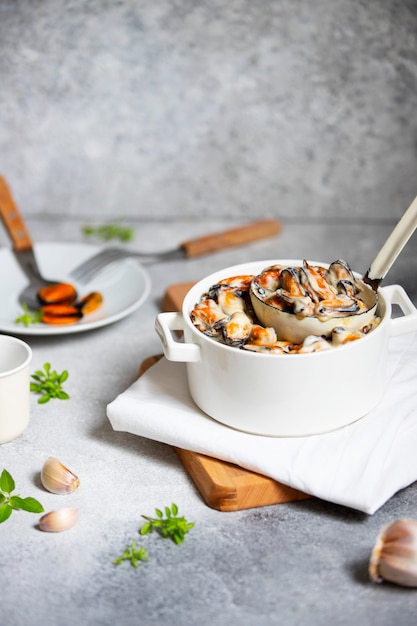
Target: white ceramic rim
(27, 360)
(201, 286)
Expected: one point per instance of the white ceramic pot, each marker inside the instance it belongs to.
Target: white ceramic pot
(290, 394)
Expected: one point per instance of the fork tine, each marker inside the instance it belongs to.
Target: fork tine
(99, 264)
(84, 272)
(87, 270)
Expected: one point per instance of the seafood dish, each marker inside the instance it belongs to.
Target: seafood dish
(233, 359)
(226, 311)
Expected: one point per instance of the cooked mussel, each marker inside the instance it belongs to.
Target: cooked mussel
(61, 293)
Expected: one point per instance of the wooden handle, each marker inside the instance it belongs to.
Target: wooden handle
(229, 238)
(12, 219)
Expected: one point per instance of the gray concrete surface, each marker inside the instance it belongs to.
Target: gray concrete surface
(297, 564)
(207, 109)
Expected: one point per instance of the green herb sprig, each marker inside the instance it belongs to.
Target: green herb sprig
(28, 317)
(105, 232)
(10, 503)
(170, 526)
(132, 554)
(48, 383)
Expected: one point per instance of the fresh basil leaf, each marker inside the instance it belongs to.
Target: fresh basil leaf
(146, 528)
(7, 483)
(5, 512)
(31, 505)
(63, 376)
(44, 399)
(16, 502)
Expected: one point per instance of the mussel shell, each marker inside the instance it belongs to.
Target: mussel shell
(60, 314)
(91, 302)
(60, 293)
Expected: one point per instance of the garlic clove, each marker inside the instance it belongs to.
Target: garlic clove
(58, 521)
(57, 478)
(394, 556)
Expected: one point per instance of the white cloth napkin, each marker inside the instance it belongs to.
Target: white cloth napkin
(359, 466)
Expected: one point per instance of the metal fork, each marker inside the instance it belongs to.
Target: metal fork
(84, 272)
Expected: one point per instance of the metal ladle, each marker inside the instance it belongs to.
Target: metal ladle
(295, 329)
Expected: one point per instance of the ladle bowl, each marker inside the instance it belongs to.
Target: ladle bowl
(290, 327)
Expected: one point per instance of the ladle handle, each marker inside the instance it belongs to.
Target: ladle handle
(392, 247)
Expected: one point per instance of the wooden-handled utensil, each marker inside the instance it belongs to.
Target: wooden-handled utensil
(22, 248)
(188, 249)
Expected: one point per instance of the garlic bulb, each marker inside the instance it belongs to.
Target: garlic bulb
(57, 478)
(58, 521)
(394, 556)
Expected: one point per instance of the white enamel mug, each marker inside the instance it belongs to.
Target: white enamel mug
(284, 395)
(15, 357)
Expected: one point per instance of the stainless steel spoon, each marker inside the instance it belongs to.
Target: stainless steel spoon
(22, 248)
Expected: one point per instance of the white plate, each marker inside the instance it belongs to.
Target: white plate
(124, 286)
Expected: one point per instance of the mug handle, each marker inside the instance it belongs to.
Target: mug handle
(408, 322)
(174, 350)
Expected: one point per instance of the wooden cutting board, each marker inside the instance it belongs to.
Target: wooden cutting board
(224, 486)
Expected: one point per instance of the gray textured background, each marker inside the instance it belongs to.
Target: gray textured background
(186, 116)
(193, 109)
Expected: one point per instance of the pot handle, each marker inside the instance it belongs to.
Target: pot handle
(175, 350)
(408, 322)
